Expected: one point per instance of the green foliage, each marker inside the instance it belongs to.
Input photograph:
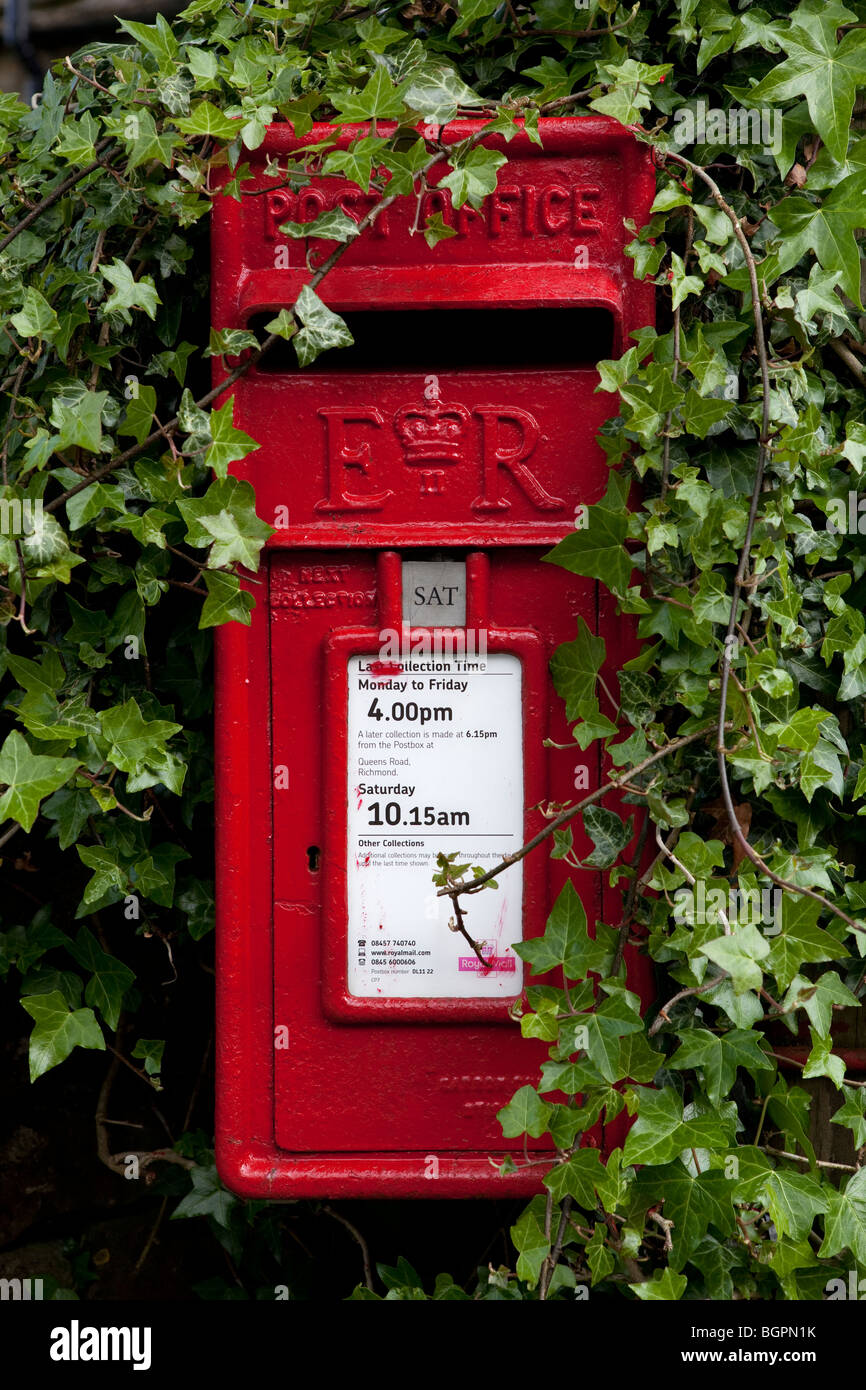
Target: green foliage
(108, 594)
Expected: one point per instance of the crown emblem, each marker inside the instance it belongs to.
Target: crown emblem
(431, 433)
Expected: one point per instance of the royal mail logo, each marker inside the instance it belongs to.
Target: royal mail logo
(491, 963)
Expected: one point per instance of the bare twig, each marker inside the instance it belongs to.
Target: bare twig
(799, 1158)
(571, 811)
(357, 1237)
(552, 1259)
(684, 994)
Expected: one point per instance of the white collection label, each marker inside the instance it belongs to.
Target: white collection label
(435, 764)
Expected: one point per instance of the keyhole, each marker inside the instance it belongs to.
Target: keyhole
(313, 858)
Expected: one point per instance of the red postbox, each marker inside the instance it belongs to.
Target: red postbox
(391, 697)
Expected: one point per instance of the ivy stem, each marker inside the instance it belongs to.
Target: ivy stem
(58, 193)
(740, 577)
(569, 813)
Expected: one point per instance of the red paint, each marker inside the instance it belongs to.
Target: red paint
(853, 1057)
(384, 669)
(374, 466)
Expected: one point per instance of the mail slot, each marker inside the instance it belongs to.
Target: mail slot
(391, 699)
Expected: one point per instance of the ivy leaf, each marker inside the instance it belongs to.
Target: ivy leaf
(138, 746)
(57, 1029)
(852, 1114)
(150, 1050)
(436, 229)
(206, 119)
(436, 91)
(817, 997)
(108, 876)
(597, 551)
(226, 601)
(157, 38)
(575, 667)
(593, 723)
(377, 37)
(138, 419)
(69, 809)
(569, 1077)
(609, 834)
(228, 444)
(357, 161)
(554, 79)
(604, 1028)
(77, 139)
(335, 225)
(283, 325)
(637, 1060)
(231, 544)
(566, 941)
(379, 100)
(231, 342)
(226, 514)
(819, 297)
(826, 230)
(79, 422)
(827, 74)
(800, 940)
(682, 285)
(469, 11)
(28, 777)
(659, 1134)
(129, 293)
(530, 1240)
(740, 954)
(665, 1284)
(474, 177)
(576, 1178)
(208, 1197)
(110, 978)
(719, 1056)
(627, 96)
(525, 1113)
(845, 1222)
(692, 1203)
(599, 1258)
(323, 329)
(699, 414)
(404, 167)
(203, 66)
(794, 1200)
(36, 318)
(823, 1062)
